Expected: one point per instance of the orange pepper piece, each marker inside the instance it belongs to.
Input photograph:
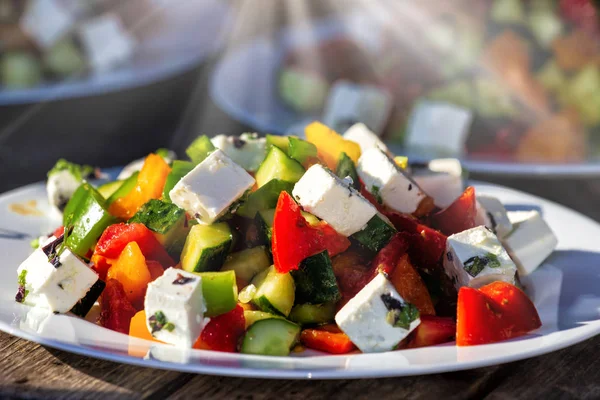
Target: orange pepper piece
(131, 270)
(150, 184)
(410, 286)
(330, 144)
(139, 329)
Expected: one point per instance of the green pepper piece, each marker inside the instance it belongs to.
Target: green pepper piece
(220, 292)
(123, 190)
(301, 150)
(345, 167)
(74, 201)
(200, 148)
(89, 219)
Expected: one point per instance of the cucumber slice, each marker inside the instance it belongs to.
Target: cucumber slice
(315, 281)
(274, 291)
(167, 221)
(64, 59)
(282, 142)
(301, 150)
(19, 70)
(375, 235)
(248, 263)
(220, 292)
(306, 314)
(206, 247)
(264, 225)
(270, 337)
(179, 169)
(345, 167)
(252, 317)
(277, 165)
(264, 198)
(126, 186)
(200, 148)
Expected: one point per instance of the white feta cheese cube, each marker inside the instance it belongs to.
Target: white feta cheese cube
(209, 190)
(475, 257)
(175, 307)
(370, 318)
(366, 138)
(496, 214)
(442, 187)
(60, 187)
(330, 198)
(385, 180)
(349, 103)
(106, 42)
(46, 21)
(438, 127)
(531, 240)
(247, 150)
(450, 166)
(57, 285)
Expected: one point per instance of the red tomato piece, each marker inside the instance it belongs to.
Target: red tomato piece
(100, 264)
(482, 318)
(385, 261)
(58, 231)
(458, 216)
(223, 332)
(156, 269)
(427, 245)
(433, 330)
(294, 239)
(329, 342)
(117, 236)
(117, 311)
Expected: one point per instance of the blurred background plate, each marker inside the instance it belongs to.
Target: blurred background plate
(246, 84)
(109, 118)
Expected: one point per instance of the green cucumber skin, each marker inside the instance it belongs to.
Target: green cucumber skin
(277, 165)
(315, 281)
(248, 263)
(210, 258)
(275, 292)
(220, 292)
(270, 337)
(213, 259)
(264, 198)
(178, 171)
(252, 317)
(199, 149)
(123, 190)
(107, 189)
(345, 167)
(376, 234)
(264, 225)
(313, 314)
(282, 142)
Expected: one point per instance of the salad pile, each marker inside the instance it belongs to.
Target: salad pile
(268, 245)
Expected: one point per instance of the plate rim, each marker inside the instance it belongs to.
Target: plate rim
(583, 332)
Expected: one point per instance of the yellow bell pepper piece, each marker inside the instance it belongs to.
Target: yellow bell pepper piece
(150, 183)
(401, 161)
(330, 144)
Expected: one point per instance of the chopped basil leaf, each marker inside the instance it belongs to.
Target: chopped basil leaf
(400, 314)
(159, 321)
(80, 172)
(22, 292)
(182, 280)
(476, 264)
(169, 327)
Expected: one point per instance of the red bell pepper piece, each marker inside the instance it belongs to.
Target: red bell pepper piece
(156, 269)
(458, 216)
(223, 332)
(385, 261)
(294, 239)
(433, 330)
(117, 236)
(329, 342)
(427, 245)
(117, 311)
(496, 312)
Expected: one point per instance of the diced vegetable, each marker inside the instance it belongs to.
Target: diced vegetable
(223, 332)
(124, 189)
(88, 219)
(117, 311)
(315, 281)
(220, 292)
(264, 198)
(131, 271)
(167, 221)
(459, 216)
(206, 247)
(410, 286)
(330, 144)
(329, 342)
(179, 169)
(307, 314)
(277, 165)
(433, 331)
(294, 239)
(108, 188)
(139, 329)
(346, 168)
(199, 149)
(150, 184)
(375, 235)
(302, 151)
(274, 291)
(252, 316)
(248, 263)
(270, 337)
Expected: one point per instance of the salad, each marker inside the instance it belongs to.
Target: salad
(271, 245)
(511, 80)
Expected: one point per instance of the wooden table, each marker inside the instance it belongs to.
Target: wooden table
(32, 371)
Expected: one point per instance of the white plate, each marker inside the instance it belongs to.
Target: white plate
(244, 85)
(565, 290)
(192, 30)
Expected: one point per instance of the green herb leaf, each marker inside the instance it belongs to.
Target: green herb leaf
(169, 327)
(80, 172)
(377, 194)
(22, 292)
(402, 318)
(476, 264)
(35, 243)
(159, 321)
(22, 278)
